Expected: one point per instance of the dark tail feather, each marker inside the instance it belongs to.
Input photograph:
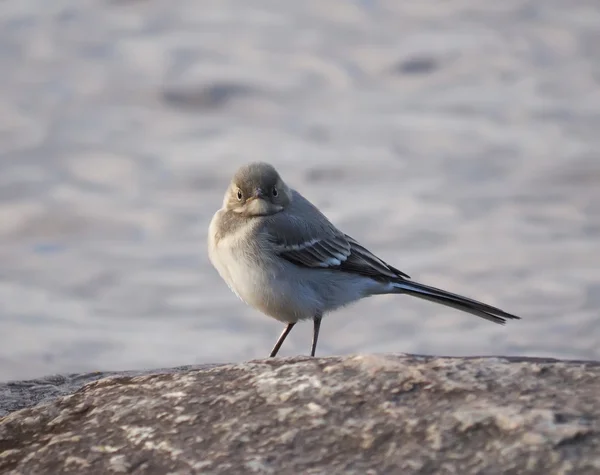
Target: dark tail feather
(458, 302)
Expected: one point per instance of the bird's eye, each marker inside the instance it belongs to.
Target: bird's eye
(274, 192)
(239, 195)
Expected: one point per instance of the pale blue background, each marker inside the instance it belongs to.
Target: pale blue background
(458, 140)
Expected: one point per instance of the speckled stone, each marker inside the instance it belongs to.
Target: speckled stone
(357, 414)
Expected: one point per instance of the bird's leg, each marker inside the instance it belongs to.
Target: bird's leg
(316, 327)
(281, 338)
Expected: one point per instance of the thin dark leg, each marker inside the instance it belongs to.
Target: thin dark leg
(317, 326)
(281, 338)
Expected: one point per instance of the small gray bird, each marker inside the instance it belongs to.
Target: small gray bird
(282, 256)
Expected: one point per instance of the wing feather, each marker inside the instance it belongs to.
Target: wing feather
(339, 252)
(318, 244)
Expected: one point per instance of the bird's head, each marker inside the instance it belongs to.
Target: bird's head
(257, 190)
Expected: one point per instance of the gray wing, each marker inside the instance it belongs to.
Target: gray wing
(306, 238)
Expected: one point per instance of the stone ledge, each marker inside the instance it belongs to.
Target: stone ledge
(356, 414)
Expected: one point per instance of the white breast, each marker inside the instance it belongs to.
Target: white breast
(228, 263)
(260, 283)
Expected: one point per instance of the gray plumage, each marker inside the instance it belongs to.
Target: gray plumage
(282, 256)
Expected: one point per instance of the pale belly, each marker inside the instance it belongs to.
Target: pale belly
(262, 284)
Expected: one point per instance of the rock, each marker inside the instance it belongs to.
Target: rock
(17, 395)
(360, 414)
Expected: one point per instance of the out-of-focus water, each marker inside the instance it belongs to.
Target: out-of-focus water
(458, 140)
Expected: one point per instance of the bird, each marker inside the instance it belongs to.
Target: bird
(280, 255)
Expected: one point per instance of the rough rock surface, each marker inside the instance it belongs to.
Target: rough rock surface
(16, 395)
(362, 414)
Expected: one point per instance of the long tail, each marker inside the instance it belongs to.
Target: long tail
(458, 302)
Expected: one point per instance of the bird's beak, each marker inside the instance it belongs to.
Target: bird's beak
(258, 194)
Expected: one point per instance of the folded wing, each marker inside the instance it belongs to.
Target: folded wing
(331, 249)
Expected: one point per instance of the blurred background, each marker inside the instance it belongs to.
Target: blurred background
(458, 140)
